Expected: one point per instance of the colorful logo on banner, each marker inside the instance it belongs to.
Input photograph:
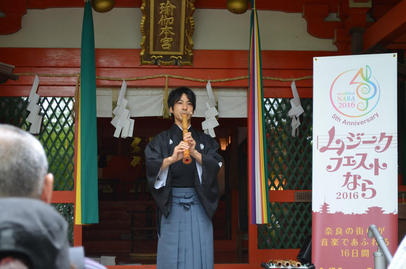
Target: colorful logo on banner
(355, 93)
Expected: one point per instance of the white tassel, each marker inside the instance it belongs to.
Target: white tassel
(210, 121)
(34, 117)
(121, 120)
(295, 111)
(212, 99)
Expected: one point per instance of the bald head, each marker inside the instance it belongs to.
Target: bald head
(23, 163)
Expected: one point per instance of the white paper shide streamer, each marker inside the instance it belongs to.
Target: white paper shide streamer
(295, 111)
(35, 118)
(121, 120)
(210, 121)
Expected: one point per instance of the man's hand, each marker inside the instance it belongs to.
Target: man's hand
(178, 151)
(176, 155)
(192, 144)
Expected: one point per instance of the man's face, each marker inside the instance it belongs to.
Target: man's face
(182, 106)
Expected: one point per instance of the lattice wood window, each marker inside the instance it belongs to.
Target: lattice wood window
(290, 168)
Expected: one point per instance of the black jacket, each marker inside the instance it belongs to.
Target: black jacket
(162, 146)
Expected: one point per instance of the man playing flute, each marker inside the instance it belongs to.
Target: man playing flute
(186, 194)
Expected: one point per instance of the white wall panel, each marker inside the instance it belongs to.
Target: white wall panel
(120, 28)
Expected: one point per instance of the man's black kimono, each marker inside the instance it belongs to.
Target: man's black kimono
(162, 146)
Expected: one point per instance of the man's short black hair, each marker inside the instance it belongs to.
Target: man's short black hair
(177, 93)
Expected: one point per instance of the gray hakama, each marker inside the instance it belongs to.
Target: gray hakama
(186, 236)
(186, 233)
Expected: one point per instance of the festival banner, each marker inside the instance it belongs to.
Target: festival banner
(355, 166)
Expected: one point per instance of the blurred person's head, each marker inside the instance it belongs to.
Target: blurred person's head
(12, 262)
(23, 165)
(33, 233)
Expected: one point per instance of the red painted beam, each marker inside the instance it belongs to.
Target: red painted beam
(24, 90)
(280, 5)
(130, 58)
(42, 4)
(315, 13)
(390, 26)
(283, 196)
(11, 22)
(63, 197)
(120, 64)
(287, 6)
